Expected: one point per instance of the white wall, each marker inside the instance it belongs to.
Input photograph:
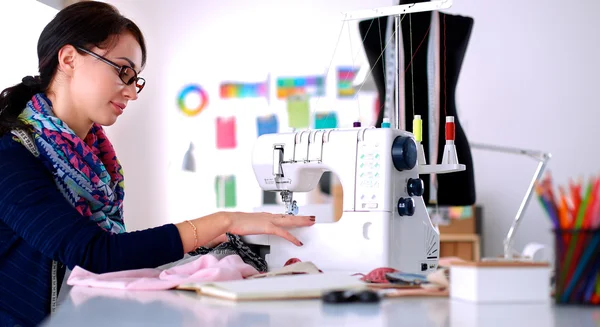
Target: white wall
(18, 52)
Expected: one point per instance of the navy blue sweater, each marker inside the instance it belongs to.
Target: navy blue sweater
(37, 226)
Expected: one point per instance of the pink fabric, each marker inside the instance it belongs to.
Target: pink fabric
(206, 268)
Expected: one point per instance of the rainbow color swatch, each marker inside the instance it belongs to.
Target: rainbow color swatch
(345, 78)
(294, 86)
(236, 90)
(192, 88)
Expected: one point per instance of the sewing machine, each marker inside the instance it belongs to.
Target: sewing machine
(384, 220)
(384, 223)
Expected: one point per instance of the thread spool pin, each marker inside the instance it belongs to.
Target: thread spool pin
(450, 156)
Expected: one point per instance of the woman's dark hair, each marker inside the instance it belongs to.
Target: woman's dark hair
(83, 24)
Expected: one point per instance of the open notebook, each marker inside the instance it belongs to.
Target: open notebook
(306, 286)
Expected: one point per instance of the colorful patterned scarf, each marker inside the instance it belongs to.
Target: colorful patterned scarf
(86, 172)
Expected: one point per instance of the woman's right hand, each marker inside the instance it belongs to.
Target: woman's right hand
(211, 229)
(254, 223)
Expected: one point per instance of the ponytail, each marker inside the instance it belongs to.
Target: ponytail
(13, 101)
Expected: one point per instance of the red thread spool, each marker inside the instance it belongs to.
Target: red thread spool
(450, 135)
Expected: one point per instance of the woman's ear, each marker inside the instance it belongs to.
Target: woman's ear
(67, 56)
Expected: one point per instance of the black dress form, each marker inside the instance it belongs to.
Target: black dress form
(454, 189)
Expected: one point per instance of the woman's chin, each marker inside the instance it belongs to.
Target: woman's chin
(106, 121)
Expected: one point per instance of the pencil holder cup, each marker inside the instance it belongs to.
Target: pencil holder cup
(577, 266)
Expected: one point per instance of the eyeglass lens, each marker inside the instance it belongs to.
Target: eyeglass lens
(129, 76)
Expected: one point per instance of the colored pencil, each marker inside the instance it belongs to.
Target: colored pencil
(569, 205)
(583, 207)
(586, 283)
(548, 207)
(594, 219)
(587, 219)
(550, 191)
(575, 197)
(567, 269)
(581, 266)
(575, 215)
(577, 242)
(592, 282)
(597, 293)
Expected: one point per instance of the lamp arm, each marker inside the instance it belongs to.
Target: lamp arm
(542, 158)
(515, 224)
(539, 155)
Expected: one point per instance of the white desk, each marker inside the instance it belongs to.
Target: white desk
(98, 307)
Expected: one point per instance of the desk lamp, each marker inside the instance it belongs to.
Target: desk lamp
(542, 159)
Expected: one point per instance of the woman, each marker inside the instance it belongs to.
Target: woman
(61, 202)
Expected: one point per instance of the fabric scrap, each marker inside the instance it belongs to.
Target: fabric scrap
(206, 268)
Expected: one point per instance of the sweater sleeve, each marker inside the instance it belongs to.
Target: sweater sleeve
(32, 205)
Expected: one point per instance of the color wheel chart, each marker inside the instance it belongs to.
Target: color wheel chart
(185, 100)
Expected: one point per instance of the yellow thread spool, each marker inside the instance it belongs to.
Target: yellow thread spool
(418, 128)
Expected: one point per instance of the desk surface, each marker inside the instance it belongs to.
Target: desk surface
(101, 307)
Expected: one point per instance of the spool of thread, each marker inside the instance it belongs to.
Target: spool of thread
(386, 123)
(356, 124)
(418, 128)
(450, 135)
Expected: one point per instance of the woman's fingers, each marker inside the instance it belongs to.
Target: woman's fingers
(286, 235)
(266, 223)
(221, 239)
(288, 221)
(294, 221)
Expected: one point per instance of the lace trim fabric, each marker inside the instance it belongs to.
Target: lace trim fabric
(235, 245)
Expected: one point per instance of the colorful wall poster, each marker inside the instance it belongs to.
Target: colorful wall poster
(303, 85)
(324, 120)
(298, 109)
(268, 124)
(239, 90)
(183, 100)
(345, 78)
(225, 189)
(226, 132)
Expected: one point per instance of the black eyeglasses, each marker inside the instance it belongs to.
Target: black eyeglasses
(127, 74)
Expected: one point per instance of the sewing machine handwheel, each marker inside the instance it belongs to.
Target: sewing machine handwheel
(404, 153)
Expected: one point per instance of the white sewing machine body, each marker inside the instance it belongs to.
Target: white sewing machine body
(384, 223)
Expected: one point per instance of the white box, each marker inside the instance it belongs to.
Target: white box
(500, 282)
